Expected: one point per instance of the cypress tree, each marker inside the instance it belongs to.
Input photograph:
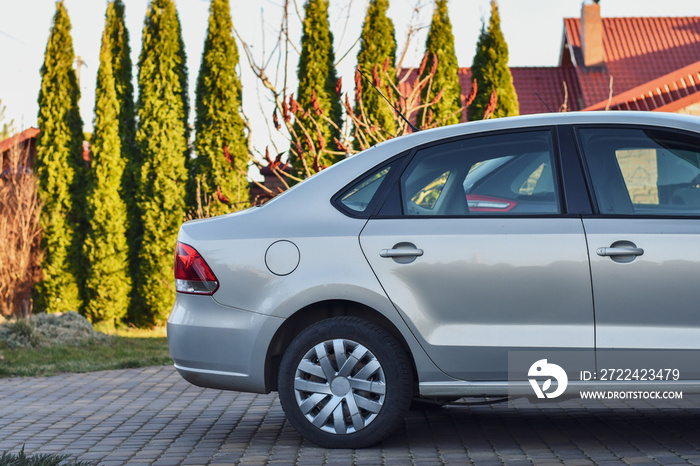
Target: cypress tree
(377, 45)
(60, 171)
(440, 44)
(108, 282)
(118, 36)
(317, 77)
(162, 109)
(490, 69)
(218, 121)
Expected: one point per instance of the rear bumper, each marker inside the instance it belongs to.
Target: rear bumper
(215, 346)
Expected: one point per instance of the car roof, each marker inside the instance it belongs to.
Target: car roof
(569, 118)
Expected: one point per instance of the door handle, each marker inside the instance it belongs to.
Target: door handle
(401, 252)
(613, 252)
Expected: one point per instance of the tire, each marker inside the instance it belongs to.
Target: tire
(353, 401)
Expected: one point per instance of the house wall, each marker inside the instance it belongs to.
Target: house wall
(693, 109)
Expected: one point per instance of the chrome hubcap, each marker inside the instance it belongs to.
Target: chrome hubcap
(339, 386)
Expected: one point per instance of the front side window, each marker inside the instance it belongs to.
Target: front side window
(509, 174)
(643, 171)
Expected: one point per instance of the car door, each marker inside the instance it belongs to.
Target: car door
(473, 249)
(644, 248)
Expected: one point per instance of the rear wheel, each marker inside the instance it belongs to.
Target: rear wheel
(345, 383)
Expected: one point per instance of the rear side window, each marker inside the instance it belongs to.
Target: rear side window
(358, 197)
(501, 174)
(643, 171)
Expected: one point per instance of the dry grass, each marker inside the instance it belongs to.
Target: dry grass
(44, 330)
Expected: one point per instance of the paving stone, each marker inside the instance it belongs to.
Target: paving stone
(152, 416)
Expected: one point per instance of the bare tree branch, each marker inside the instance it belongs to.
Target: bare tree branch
(413, 29)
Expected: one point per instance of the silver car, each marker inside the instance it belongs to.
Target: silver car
(425, 268)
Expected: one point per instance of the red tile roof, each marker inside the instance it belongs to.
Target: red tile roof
(548, 82)
(670, 92)
(28, 133)
(653, 63)
(637, 50)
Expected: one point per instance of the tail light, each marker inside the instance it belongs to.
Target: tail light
(478, 203)
(192, 273)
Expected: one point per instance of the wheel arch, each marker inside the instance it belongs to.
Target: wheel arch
(317, 312)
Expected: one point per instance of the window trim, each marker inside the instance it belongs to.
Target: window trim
(577, 194)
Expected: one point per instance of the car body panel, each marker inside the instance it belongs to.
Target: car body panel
(486, 286)
(633, 310)
(217, 346)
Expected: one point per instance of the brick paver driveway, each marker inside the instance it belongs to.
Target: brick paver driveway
(151, 415)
